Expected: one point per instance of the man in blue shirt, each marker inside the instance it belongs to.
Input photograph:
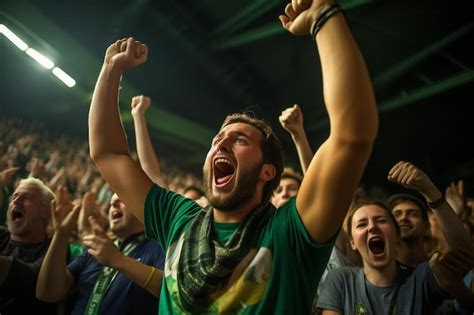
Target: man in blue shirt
(109, 278)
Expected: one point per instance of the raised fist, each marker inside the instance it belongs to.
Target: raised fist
(140, 104)
(126, 53)
(292, 119)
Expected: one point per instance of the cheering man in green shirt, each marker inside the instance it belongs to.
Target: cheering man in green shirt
(240, 255)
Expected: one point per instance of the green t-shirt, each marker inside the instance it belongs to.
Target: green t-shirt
(280, 276)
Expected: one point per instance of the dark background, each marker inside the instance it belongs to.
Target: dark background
(210, 58)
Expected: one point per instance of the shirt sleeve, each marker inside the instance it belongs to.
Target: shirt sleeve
(76, 266)
(166, 211)
(430, 288)
(332, 292)
(290, 229)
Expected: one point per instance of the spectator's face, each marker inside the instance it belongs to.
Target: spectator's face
(233, 166)
(192, 194)
(410, 220)
(287, 188)
(374, 236)
(27, 215)
(121, 220)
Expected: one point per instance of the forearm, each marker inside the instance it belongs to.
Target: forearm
(303, 148)
(140, 273)
(106, 134)
(348, 92)
(54, 280)
(146, 154)
(451, 226)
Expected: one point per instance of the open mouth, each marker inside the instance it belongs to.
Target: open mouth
(16, 215)
(116, 214)
(377, 245)
(223, 171)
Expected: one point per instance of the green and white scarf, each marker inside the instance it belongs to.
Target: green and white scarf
(205, 264)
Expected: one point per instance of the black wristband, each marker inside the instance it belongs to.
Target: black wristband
(323, 16)
(437, 203)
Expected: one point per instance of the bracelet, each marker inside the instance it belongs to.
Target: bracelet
(323, 16)
(437, 203)
(150, 276)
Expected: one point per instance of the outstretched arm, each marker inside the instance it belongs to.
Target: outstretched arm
(54, 280)
(409, 176)
(461, 250)
(146, 154)
(335, 170)
(292, 120)
(108, 144)
(101, 247)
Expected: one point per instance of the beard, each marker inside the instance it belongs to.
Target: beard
(244, 189)
(25, 227)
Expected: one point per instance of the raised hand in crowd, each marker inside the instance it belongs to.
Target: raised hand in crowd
(54, 281)
(146, 154)
(64, 213)
(125, 54)
(454, 195)
(58, 179)
(409, 176)
(459, 257)
(7, 176)
(291, 119)
(88, 209)
(37, 168)
(101, 246)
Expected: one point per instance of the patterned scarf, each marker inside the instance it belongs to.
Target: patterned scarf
(205, 264)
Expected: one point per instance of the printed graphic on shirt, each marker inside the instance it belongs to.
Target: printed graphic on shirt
(246, 285)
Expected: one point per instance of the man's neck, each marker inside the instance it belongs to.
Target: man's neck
(235, 215)
(381, 277)
(31, 238)
(126, 234)
(411, 253)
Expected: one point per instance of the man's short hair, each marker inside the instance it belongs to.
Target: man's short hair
(47, 195)
(396, 199)
(289, 172)
(367, 202)
(270, 145)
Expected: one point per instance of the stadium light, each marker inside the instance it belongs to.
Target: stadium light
(38, 57)
(13, 38)
(42, 60)
(63, 76)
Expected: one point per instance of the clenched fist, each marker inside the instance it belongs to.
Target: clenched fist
(126, 53)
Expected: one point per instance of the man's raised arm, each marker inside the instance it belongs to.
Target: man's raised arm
(107, 140)
(336, 168)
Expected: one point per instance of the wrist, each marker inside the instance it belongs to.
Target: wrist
(119, 261)
(112, 70)
(432, 194)
(313, 13)
(62, 235)
(297, 134)
(138, 114)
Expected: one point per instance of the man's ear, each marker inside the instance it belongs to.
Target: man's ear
(268, 172)
(45, 212)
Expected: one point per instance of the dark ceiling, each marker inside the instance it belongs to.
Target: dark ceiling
(211, 58)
